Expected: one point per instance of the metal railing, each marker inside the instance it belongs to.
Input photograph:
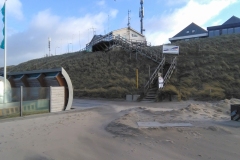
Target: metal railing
(138, 46)
(170, 71)
(154, 75)
(166, 77)
(110, 37)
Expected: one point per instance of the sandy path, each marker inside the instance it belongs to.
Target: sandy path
(81, 134)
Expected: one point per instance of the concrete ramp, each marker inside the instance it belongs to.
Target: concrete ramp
(157, 124)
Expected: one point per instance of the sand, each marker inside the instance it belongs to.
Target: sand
(108, 130)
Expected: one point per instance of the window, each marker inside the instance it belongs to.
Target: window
(134, 35)
(230, 30)
(216, 33)
(237, 30)
(187, 32)
(193, 31)
(211, 34)
(224, 31)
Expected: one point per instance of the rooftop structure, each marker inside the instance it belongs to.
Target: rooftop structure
(192, 31)
(231, 26)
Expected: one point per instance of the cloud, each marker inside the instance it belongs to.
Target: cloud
(217, 22)
(161, 28)
(101, 3)
(113, 13)
(174, 2)
(14, 8)
(33, 42)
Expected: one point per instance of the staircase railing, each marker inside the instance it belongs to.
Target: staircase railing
(154, 75)
(170, 71)
(140, 47)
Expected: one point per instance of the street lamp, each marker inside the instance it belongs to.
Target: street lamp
(49, 45)
(72, 42)
(55, 50)
(68, 46)
(79, 42)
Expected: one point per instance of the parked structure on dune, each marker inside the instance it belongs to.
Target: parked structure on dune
(102, 42)
(51, 89)
(231, 26)
(193, 31)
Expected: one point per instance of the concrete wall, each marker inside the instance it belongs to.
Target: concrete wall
(57, 95)
(133, 98)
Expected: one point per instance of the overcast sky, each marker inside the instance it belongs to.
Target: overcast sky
(31, 22)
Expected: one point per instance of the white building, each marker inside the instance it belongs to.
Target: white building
(129, 34)
(100, 42)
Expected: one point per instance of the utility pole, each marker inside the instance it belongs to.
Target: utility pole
(79, 42)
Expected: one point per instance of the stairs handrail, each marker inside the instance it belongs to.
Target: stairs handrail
(169, 72)
(139, 46)
(110, 37)
(146, 87)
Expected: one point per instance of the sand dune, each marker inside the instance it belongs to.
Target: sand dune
(110, 131)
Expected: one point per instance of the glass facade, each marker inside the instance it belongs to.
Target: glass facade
(230, 30)
(11, 109)
(237, 30)
(216, 33)
(35, 100)
(224, 31)
(210, 33)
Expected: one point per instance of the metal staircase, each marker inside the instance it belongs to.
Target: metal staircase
(170, 71)
(151, 88)
(139, 47)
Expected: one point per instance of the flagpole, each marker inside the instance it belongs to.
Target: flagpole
(5, 54)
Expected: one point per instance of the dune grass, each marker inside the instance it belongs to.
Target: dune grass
(206, 69)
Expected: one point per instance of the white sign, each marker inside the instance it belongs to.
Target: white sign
(171, 49)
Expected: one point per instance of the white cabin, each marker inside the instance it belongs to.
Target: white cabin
(127, 33)
(130, 34)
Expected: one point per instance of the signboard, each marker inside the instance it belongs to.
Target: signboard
(235, 112)
(171, 49)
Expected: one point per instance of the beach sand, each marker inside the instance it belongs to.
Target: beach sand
(108, 130)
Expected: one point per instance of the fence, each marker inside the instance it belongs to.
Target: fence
(31, 100)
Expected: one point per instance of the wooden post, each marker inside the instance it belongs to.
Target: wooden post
(50, 99)
(21, 100)
(137, 78)
(149, 74)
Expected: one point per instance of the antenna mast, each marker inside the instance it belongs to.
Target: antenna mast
(141, 15)
(129, 18)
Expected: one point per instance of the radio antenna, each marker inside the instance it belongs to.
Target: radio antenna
(129, 18)
(141, 15)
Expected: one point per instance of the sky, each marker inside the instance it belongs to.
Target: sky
(71, 24)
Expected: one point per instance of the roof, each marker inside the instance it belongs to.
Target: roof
(95, 37)
(230, 23)
(232, 20)
(191, 29)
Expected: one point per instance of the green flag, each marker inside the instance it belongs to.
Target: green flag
(3, 19)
